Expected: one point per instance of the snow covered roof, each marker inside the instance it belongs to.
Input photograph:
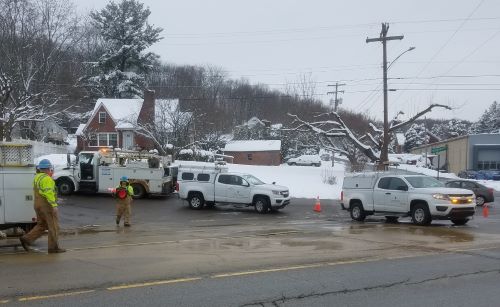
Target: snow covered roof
(254, 145)
(79, 131)
(121, 110)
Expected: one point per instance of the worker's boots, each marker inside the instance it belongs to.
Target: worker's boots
(57, 251)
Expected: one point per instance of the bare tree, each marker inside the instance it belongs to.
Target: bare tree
(331, 128)
(35, 35)
(170, 129)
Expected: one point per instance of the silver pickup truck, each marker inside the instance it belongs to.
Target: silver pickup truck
(202, 187)
(395, 195)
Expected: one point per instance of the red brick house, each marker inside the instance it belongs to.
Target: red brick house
(115, 122)
(255, 152)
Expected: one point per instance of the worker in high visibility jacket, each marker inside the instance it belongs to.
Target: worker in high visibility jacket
(123, 194)
(46, 209)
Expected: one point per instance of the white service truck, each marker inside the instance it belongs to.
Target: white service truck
(100, 172)
(201, 186)
(16, 186)
(393, 195)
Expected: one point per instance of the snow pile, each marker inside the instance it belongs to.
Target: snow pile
(302, 181)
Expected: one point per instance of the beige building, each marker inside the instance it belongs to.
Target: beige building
(470, 152)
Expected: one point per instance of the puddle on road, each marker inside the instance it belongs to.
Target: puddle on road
(316, 244)
(449, 233)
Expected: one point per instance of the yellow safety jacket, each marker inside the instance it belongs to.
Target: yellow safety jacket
(46, 187)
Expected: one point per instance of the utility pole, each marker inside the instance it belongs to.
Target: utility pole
(336, 92)
(384, 154)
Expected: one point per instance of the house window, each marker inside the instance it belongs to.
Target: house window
(107, 139)
(92, 139)
(249, 156)
(102, 117)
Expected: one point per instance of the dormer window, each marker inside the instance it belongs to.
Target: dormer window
(102, 117)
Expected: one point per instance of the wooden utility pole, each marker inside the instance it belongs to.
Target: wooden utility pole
(384, 154)
(336, 92)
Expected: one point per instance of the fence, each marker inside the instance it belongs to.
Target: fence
(41, 149)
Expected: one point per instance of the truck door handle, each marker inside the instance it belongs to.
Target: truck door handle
(387, 193)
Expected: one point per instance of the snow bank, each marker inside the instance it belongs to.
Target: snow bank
(303, 181)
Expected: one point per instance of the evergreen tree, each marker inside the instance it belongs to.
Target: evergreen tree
(415, 136)
(490, 120)
(451, 129)
(127, 34)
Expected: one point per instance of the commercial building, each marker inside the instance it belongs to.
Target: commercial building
(470, 152)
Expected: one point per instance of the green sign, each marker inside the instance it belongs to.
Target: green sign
(436, 150)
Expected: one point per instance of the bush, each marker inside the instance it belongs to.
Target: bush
(328, 176)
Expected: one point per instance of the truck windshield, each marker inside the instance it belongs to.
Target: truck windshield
(253, 180)
(419, 182)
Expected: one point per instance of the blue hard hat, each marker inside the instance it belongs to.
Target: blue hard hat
(44, 164)
(123, 178)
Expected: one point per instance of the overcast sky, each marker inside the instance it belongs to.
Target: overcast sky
(277, 41)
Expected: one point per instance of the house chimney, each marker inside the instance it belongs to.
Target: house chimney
(147, 113)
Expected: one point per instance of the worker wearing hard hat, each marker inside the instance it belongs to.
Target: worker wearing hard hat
(123, 194)
(46, 209)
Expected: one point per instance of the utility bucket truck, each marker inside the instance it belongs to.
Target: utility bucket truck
(16, 186)
(100, 172)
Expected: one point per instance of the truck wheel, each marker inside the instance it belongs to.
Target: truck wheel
(459, 222)
(292, 164)
(65, 186)
(139, 191)
(196, 201)
(480, 200)
(357, 212)
(261, 205)
(420, 215)
(317, 164)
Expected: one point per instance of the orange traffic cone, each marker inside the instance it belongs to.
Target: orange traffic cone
(317, 205)
(486, 210)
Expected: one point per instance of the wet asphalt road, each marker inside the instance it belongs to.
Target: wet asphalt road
(173, 256)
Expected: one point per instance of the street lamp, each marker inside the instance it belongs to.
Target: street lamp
(384, 153)
(409, 49)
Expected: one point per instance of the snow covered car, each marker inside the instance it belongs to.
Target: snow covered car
(311, 160)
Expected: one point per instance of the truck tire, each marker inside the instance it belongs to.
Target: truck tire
(357, 212)
(261, 205)
(196, 201)
(65, 186)
(317, 164)
(459, 222)
(480, 200)
(292, 164)
(420, 214)
(139, 190)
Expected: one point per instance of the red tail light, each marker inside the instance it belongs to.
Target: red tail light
(177, 186)
(342, 195)
(491, 191)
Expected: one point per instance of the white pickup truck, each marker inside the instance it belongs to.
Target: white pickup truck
(395, 195)
(200, 187)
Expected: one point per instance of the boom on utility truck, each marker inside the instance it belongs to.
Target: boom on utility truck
(100, 172)
(16, 186)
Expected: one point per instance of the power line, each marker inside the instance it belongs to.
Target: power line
(447, 42)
